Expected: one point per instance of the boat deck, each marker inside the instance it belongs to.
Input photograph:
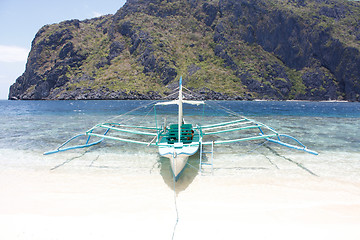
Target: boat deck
(188, 134)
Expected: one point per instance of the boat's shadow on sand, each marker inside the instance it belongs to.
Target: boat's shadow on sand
(187, 176)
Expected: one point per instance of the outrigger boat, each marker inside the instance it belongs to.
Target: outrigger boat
(178, 141)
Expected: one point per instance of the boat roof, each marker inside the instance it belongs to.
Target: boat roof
(175, 102)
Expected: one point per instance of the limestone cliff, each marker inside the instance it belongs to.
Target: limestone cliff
(224, 49)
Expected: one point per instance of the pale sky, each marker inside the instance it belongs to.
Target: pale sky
(21, 19)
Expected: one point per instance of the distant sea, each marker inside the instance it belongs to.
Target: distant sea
(29, 128)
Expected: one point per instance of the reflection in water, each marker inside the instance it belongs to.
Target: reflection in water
(187, 176)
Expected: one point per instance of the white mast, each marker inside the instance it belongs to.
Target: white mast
(180, 102)
(180, 109)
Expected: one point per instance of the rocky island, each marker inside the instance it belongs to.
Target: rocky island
(224, 49)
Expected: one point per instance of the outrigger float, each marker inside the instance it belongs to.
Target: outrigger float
(178, 141)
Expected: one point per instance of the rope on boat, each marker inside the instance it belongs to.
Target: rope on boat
(151, 103)
(168, 96)
(225, 109)
(192, 94)
(196, 95)
(133, 110)
(176, 208)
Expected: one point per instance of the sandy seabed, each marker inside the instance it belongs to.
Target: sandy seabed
(100, 204)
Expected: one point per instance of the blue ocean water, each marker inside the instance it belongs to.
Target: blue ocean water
(247, 108)
(29, 128)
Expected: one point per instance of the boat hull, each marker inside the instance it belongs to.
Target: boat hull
(178, 155)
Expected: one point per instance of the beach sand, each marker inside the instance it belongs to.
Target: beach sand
(101, 204)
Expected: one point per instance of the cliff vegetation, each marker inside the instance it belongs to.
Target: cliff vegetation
(224, 49)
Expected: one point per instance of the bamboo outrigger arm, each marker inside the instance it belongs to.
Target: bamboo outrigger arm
(62, 147)
(302, 147)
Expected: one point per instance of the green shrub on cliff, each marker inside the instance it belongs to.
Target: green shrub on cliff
(224, 49)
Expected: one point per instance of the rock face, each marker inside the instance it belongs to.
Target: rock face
(224, 49)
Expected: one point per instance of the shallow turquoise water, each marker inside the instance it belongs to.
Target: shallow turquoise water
(29, 128)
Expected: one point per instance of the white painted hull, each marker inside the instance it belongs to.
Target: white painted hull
(178, 156)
